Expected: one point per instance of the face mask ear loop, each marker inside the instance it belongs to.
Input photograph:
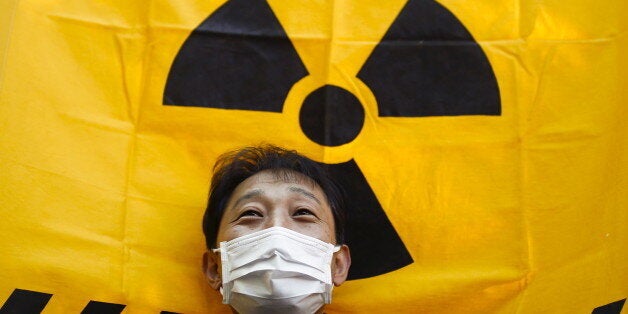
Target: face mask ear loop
(225, 290)
(330, 287)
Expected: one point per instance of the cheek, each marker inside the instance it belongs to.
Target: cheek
(228, 233)
(319, 231)
(328, 226)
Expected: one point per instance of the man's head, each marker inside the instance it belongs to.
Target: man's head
(257, 188)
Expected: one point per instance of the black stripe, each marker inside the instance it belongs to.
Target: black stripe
(95, 307)
(25, 302)
(611, 308)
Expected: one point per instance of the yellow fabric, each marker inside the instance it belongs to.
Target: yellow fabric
(103, 188)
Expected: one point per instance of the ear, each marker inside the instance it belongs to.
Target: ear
(210, 268)
(340, 265)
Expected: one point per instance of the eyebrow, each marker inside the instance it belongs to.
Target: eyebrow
(249, 195)
(305, 193)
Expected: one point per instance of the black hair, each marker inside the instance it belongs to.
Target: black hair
(232, 168)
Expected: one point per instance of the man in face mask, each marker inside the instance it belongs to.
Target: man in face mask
(274, 229)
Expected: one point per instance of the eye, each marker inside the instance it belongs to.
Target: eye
(303, 212)
(250, 213)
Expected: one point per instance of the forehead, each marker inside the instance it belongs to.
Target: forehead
(278, 177)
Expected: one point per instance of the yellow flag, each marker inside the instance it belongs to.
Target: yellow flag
(484, 147)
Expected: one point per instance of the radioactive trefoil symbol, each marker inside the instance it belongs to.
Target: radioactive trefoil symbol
(427, 64)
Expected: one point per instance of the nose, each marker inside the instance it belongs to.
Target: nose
(278, 218)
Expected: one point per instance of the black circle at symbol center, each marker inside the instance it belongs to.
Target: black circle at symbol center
(331, 116)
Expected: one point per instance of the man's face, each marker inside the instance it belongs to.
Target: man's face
(267, 200)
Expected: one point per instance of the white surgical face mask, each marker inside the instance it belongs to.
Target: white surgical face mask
(276, 270)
